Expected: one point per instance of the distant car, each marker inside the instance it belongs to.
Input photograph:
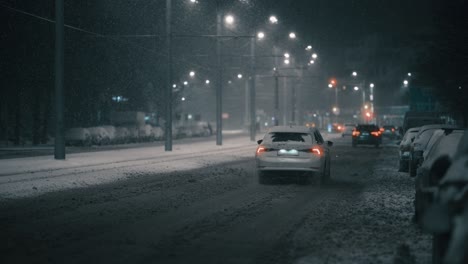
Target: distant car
(78, 136)
(348, 129)
(293, 151)
(389, 131)
(366, 134)
(439, 155)
(405, 145)
(419, 144)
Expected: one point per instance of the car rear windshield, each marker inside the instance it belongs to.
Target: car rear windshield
(367, 128)
(288, 137)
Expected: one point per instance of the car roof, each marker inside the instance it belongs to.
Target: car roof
(435, 126)
(296, 129)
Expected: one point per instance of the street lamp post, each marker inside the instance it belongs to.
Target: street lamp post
(253, 118)
(168, 90)
(59, 145)
(219, 85)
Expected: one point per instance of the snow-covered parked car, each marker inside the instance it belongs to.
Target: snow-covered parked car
(111, 132)
(447, 215)
(99, 135)
(133, 133)
(78, 136)
(202, 129)
(157, 133)
(122, 135)
(439, 152)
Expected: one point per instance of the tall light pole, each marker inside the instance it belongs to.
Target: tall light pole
(168, 87)
(253, 118)
(219, 85)
(59, 145)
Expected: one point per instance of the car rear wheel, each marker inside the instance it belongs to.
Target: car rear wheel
(403, 167)
(412, 168)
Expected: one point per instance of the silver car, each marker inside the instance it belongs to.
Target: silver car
(298, 151)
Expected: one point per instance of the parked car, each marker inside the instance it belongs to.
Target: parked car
(78, 136)
(437, 156)
(419, 144)
(348, 130)
(99, 135)
(405, 145)
(293, 151)
(389, 131)
(366, 134)
(447, 215)
(122, 135)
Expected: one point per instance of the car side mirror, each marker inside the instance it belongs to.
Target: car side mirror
(329, 143)
(259, 141)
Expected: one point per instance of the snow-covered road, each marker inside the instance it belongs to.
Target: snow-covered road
(202, 204)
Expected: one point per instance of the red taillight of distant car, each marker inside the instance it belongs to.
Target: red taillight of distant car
(381, 129)
(261, 149)
(316, 151)
(393, 130)
(356, 133)
(375, 133)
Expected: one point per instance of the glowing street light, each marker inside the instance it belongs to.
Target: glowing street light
(330, 85)
(194, 1)
(174, 85)
(308, 47)
(354, 73)
(371, 85)
(239, 76)
(192, 74)
(311, 61)
(286, 55)
(260, 35)
(409, 74)
(366, 106)
(273, 20)
(356, 88)
(314, 56)
(405, 82)
(185, 83)
(207, 81)
(292, 35)
(286, 61)
(182, 99)
(229, 19)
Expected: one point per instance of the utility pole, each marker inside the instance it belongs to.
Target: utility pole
(276, 73)
(276, 97)
(219, 83)
(253, 118)
(59, 146)
(168, 86)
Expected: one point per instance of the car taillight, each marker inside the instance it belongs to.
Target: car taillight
(375, 133)
(393, 130)
(382, 129)
(356, 133)
(261, 149)
(316, 151)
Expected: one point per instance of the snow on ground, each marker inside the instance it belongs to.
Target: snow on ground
(23, 177)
